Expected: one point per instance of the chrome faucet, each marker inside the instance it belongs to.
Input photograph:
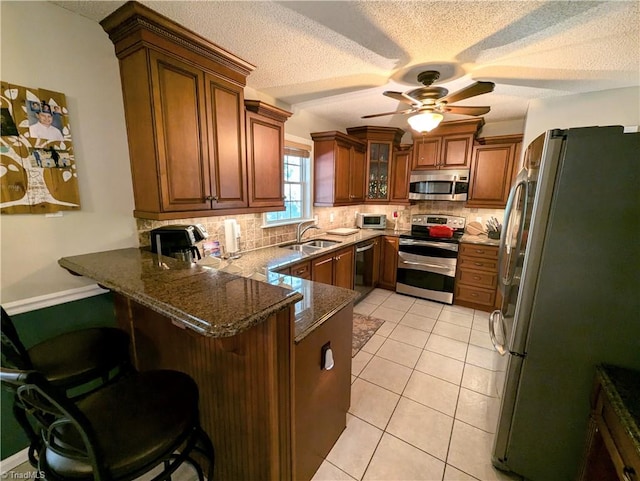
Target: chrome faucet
(300, 230)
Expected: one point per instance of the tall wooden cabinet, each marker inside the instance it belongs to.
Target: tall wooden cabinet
(265, 153)
(185, 114)
(339, 169)
(448, 146)
(493, 167)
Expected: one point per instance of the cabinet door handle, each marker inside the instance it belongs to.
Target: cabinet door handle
(478, 251)
(477, 278)
(478, 264)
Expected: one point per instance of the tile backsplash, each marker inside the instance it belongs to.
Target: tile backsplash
(254, 236)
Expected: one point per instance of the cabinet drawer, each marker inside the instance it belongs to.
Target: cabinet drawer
(476, 295)
(302, 270)
(476, 250)
(478, 263)
(478, 278)
(623, 454)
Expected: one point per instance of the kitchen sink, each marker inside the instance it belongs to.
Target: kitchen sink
(302, 248)
(321, 243)
(311, 246)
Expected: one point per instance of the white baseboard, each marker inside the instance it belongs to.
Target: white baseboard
(53, 299)
(13, 461)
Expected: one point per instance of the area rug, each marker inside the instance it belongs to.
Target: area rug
(363, 328)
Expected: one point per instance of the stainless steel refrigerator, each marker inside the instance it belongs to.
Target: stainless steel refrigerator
(570, 278)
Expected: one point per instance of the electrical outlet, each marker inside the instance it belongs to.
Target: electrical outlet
(315, 219)
(331, 217)
(479, 219)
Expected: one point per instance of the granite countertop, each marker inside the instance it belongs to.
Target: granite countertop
(206, 300)
(320, 301)
(622, 387)
(479, 239)
(221, 298)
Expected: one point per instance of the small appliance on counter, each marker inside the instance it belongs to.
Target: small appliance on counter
(178, 241)
(371, 221)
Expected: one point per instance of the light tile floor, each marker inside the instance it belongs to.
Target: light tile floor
(424, 396)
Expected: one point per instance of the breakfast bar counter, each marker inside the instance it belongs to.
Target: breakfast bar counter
(252, 343)
(206, 300)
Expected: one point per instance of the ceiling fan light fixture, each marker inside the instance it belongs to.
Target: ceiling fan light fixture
(425, 121)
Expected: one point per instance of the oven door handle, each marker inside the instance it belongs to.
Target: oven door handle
(433, 266)
(439, 245)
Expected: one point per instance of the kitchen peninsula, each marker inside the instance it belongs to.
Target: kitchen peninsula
(243, 341)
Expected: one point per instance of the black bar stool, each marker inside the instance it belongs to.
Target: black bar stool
(131, 426)
(80, 361)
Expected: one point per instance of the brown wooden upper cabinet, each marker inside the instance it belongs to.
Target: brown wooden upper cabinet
(381, 144)
(339, 169)
(449, 146)
(185, 113)
(400, 174)
(493, 167)
(265, 153)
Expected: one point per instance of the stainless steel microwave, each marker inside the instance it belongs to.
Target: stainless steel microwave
(371, 221)
(439, 185)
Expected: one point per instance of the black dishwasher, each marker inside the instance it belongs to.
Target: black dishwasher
(366, 268)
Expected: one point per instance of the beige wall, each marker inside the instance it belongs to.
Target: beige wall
(607, 107)
(69, 54)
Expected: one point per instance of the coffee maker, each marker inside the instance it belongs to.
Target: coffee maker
(178, 241)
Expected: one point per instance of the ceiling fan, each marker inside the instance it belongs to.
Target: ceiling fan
(431, 102)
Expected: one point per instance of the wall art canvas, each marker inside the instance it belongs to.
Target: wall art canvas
(37, 164)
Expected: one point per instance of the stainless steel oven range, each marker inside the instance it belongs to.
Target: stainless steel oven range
(428, 256)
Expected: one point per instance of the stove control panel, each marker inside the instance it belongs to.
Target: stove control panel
(427, 220)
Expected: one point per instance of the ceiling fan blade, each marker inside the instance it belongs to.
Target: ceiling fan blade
(461, 109)
(400, 96)
(472, 90)
(406, 111)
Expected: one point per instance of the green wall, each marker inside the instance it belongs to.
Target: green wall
(36, 326)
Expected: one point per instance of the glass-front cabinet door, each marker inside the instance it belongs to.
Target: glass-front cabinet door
(378, 170)
(381, 142)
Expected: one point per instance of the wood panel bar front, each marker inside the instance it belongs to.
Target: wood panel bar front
(245, 382)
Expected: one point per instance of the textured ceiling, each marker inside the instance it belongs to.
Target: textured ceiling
(335, 58)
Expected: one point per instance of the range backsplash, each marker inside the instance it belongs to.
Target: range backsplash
(254, 236)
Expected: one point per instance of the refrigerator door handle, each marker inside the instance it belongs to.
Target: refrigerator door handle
(521, 181)
(492, 333)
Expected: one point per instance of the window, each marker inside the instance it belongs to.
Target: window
(297, 187)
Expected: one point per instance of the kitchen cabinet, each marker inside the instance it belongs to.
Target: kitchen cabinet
(339, 169)
(265, 154)
(185, 114)
(300, 269)
(612, 454)
(476, 277)
(493, 167)
(381, 143)
(322, 396)
(449, 146)
(335, 268)
(388, 262)
(400, 174)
